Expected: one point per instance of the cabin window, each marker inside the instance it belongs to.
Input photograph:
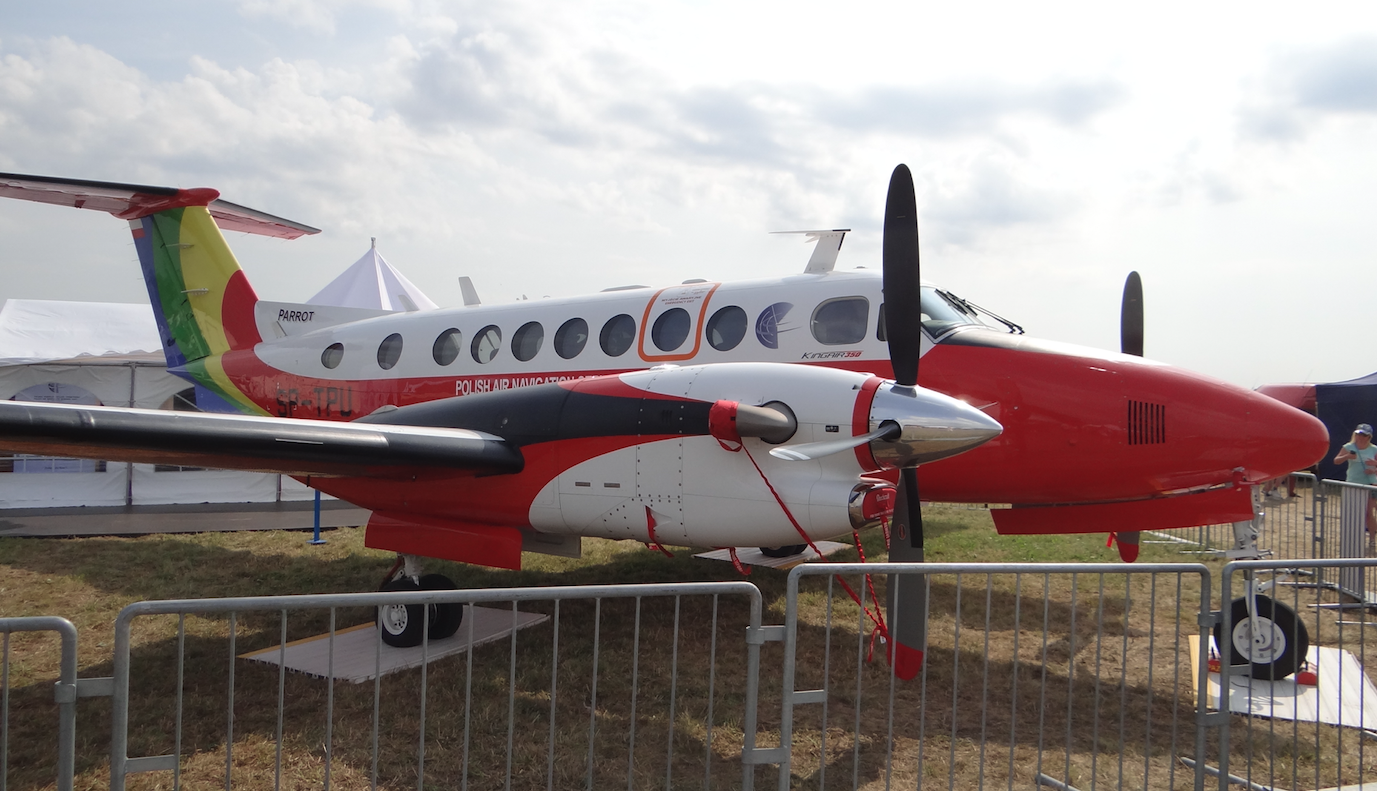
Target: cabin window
(617, 335)
(670, 330)
(332, 356)
(390, 351)
(726, 328)
(570, 338)
(526, 341)
(841, 321)
(446, 348)
(880, 332)
(486, 344)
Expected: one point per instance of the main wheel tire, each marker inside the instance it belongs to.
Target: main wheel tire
(1281, 648)
(401, 625)
(783, 552)
(444, 618)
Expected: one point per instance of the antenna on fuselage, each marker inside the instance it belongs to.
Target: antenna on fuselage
(467, 290)
(828, 244)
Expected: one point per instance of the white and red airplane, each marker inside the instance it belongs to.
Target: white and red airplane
(473, 433)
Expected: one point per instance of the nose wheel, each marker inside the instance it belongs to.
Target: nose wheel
(1272, 641)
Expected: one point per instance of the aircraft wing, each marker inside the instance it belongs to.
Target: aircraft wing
(240, 442)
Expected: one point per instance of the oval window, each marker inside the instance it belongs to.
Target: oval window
(617, 335)
(390, 351)
(570, 338)
(333, 354)
(670, 329)
(841, 321)
(726, 328)
(486, 344)
(446, 348)
(526, 340)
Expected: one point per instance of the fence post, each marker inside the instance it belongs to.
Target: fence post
(64, 691)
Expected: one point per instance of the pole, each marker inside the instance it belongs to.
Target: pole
(316, 539)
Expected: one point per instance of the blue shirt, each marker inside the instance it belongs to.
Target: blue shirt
(1357, 470)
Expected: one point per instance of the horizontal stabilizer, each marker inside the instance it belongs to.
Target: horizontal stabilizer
(240, 442)
(131, 201)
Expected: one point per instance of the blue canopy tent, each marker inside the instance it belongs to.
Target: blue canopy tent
(1341, 407)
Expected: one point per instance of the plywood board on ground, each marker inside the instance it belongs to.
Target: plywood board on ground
(1344, 696)
(359, 655)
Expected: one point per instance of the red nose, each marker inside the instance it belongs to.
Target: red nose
(1280, 439)
(1217, 428)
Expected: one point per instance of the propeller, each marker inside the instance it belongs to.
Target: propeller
(907, 595)
(1131, 342)
(816, 450)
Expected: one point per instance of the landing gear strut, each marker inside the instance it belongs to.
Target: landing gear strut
(403, 625)
(1264, 634)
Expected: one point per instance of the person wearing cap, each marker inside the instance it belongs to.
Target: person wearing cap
(1361, 456)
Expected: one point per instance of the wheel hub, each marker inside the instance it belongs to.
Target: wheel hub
(1262, 648)
(394, 618)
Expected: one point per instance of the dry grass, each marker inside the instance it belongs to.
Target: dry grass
(1036, 673)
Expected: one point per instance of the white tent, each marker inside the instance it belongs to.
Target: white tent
(371, 282)
(104, 354)
(40, 331)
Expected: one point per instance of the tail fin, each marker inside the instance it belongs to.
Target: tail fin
(202, 300)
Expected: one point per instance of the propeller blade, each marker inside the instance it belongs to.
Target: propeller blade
(907, 594)
(903, 317)
(906, 597)
(1131, 342)
(816, 450)
(1131, 317)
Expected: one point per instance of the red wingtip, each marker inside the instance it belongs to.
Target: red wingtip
(907, 662)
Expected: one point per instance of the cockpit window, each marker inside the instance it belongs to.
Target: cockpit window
(941, 314)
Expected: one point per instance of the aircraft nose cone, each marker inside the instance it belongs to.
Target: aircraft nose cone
(1281, 439)
(933, 426)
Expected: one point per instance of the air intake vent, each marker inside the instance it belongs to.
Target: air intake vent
(1147, 423)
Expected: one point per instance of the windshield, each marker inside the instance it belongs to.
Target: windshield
(944, 312)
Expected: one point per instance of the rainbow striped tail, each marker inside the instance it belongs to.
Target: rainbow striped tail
(202, 300)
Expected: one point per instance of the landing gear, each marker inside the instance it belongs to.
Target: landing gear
(783, 552)
(1272, 639)
(402, 625)
(1267, 636)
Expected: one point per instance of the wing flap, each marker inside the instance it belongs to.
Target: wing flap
(241, 442)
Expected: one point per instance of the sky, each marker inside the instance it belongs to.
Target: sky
(1227, 152)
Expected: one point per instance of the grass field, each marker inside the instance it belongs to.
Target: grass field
(1066, 675)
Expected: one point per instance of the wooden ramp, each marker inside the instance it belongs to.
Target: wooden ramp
(752, 556)
(1344, 696)
(360, 656)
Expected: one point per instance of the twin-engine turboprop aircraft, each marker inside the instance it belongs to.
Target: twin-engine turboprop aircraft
(480, 431)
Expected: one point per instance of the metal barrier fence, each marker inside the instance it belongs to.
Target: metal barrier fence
(1070, 675)
(64, 694)
(1267, 748)
(1076, 676)
(573, 704)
